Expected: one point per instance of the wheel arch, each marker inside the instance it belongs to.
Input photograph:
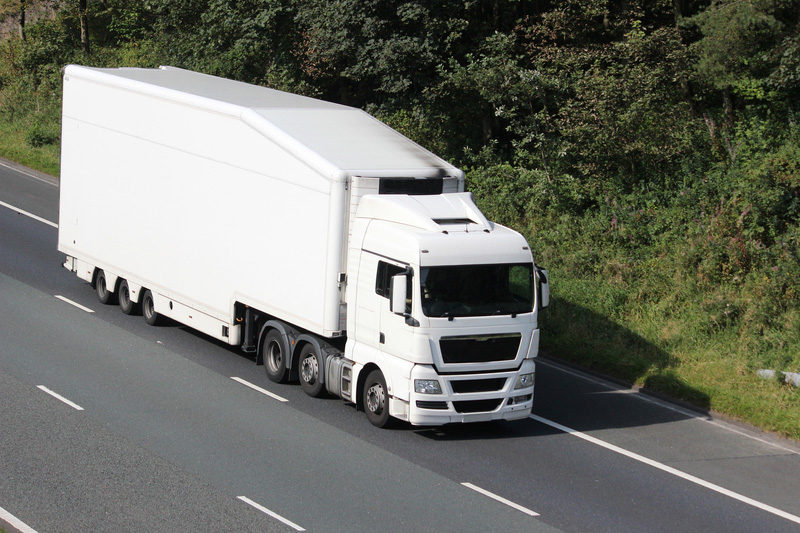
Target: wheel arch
(319, 350)
(362, 378)
(288, 336)
(112, 280)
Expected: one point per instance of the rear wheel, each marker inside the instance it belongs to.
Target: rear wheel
(275, 358)
(128, 306)
(376, 400)
(100, 286)
(310, 372)
(149, 309)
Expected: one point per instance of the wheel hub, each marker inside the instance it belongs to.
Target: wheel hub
(375, 398)
(309, 369)
(274, 356)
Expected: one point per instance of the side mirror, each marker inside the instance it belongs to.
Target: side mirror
(397, 302)
(544, 287)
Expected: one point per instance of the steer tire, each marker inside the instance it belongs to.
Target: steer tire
(375, 398)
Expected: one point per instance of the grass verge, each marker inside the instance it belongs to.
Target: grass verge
(15, 145)
(673, 353)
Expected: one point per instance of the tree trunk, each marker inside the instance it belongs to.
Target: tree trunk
(677, 10)
(487, 121)
(22, 6)
(84, 26)
(727, 105)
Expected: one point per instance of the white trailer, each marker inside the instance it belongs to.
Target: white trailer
(312, 235)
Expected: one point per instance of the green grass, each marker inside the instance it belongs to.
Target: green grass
(16, 145)
(680, 350)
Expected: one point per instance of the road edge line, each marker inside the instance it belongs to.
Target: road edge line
(670, 470)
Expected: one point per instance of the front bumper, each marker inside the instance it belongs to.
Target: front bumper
(470, 397)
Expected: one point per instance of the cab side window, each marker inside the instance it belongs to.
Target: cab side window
(383, 281)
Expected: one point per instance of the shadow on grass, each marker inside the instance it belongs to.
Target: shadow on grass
(577, 338)
(585, 338)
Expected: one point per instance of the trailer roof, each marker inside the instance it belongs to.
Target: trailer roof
(345, 137)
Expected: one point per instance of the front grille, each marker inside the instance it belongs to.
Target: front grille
(480, 349)
(423, 404)
(477, 385)
(477, 406)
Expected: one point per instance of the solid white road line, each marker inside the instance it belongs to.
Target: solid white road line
(670, 470)
(501, 499)
(259, 389)
(15, 522)
(20, 169)
(59, 397)
(31, 215)
(70, 302)
(276, 516)
(661, 403)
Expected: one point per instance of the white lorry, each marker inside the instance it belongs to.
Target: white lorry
(337, 251)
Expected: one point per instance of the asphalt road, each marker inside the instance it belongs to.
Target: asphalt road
(107, 424)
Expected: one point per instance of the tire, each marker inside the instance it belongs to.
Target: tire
(149, 309)
(105, 296)
(309, 372)
(126, 305)
(274, 357)
(375, 399)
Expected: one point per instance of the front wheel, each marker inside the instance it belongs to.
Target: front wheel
(310, 372)
(275, 358)
(376, 400)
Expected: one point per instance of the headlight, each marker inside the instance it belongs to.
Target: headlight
(524, 381)
(427, 386)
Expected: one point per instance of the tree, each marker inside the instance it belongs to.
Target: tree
(733, 58)
(84, 19)
(15, 8)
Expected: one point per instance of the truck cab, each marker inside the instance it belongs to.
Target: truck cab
(443, 304)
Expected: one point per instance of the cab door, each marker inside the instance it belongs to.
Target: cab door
(395, 332)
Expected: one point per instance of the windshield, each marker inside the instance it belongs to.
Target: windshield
(477, 290)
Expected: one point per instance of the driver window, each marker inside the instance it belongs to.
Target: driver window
(383, 280)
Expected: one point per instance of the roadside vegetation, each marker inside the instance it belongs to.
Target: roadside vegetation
(649, 150)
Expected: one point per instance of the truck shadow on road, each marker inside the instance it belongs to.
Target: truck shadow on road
(584, 381)
(577, 393)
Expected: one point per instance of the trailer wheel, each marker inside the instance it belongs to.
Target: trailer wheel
(103, 294)
(275, 358)
(376, 400)
(149, 309)
(128, 306)
(310, 372)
